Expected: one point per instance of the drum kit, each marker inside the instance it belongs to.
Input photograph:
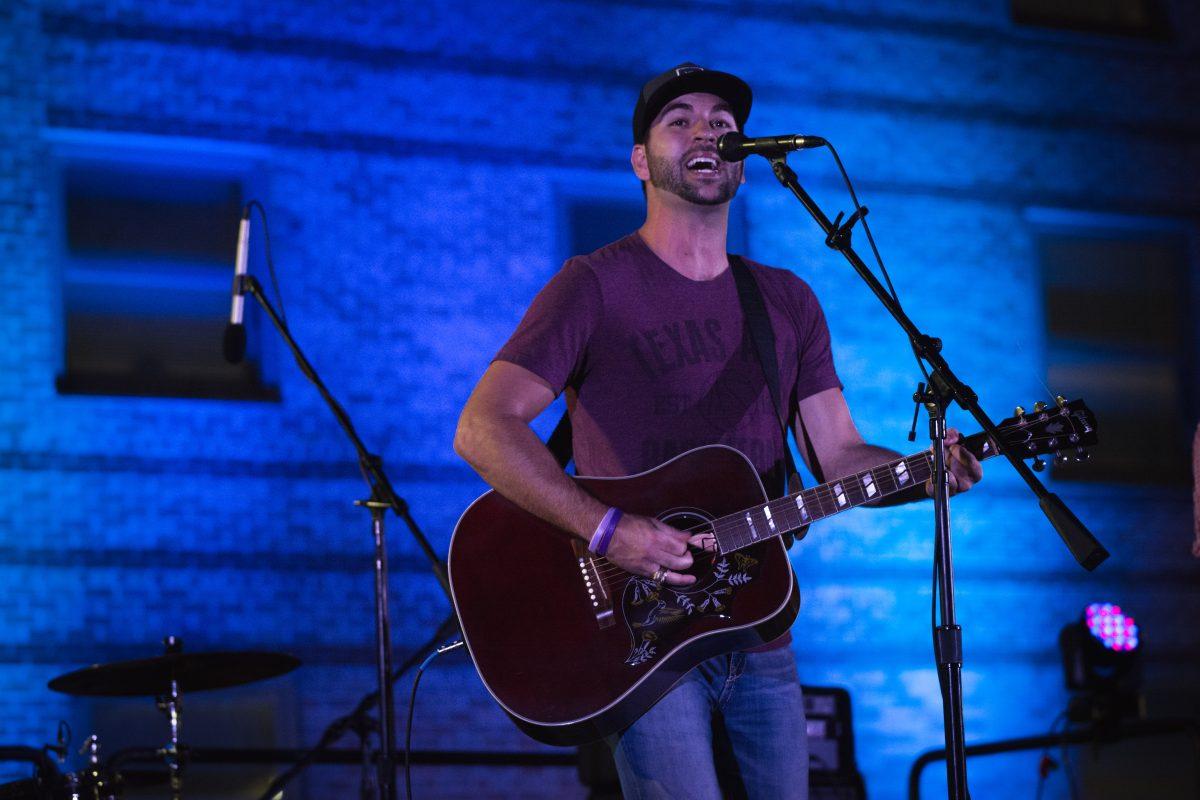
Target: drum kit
(167, 678)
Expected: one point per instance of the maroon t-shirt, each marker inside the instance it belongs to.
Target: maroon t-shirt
(655, 364)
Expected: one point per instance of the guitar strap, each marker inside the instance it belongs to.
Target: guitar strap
(758, 323)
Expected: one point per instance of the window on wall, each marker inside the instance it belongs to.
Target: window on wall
(1120, 334)
(1147, 19)
(147, 250)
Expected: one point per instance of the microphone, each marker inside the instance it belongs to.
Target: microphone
(735, 147)
(234, 343)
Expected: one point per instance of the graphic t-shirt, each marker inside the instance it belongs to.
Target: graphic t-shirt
(655, 364)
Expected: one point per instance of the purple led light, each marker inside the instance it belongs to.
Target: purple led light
(1115, 630)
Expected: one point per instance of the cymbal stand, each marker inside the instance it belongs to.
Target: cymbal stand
(91, 775)
(171, 704)
(383, 646)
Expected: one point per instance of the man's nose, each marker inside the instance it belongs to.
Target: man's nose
(703, 131)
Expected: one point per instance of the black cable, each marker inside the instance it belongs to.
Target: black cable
(412, 704)
(866, 226)
(262, 212)
(871, 240)
(1069, 770)
(1061, 718)
(340, 726)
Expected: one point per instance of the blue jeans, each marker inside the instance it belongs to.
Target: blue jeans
(667, 754)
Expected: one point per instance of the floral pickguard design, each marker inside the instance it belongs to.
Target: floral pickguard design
(650, 607)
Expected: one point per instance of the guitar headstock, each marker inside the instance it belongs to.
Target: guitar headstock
(1066, 429)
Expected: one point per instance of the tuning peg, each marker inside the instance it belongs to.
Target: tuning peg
(1038, 465)
(1039, 406)
(1082, 455)
(1061, 458)
(1019, 412)
(1060, 401)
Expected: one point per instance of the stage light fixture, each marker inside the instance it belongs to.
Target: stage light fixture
(1102, 663)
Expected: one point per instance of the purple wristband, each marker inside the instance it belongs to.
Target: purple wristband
(604, 531)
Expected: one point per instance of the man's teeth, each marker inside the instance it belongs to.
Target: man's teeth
(702, 164)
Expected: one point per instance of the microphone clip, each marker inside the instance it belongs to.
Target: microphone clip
(839, 237)
(241, 283)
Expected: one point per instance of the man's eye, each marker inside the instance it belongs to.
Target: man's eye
(679, 121)
(720, 123)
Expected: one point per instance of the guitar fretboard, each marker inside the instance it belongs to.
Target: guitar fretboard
(795, 511)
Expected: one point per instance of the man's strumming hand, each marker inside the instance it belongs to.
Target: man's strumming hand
(643, 545)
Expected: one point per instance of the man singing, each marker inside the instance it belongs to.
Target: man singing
(647, 338)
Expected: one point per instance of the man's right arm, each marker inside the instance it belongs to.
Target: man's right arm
(494, 437)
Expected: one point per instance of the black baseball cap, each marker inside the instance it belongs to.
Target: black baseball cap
(685, 79)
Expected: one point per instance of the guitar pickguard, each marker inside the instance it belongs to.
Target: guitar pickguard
(651, 609)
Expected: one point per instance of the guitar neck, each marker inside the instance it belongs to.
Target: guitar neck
(805, 507)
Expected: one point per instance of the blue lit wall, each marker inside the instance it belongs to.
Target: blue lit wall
(413, 158)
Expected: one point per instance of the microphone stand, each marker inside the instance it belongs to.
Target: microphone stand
(383, 497)
(945, 387)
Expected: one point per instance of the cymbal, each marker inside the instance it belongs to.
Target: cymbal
(193, 672)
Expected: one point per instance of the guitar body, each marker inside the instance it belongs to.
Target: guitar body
(574, 649)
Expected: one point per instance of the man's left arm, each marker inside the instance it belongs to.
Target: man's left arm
(839, 448)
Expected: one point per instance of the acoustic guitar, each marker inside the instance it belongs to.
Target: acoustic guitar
(574, 648)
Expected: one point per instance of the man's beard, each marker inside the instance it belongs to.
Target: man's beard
(667, 175)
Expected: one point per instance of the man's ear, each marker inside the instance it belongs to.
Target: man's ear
(637, 159)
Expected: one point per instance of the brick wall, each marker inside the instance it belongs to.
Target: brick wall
(413, 157)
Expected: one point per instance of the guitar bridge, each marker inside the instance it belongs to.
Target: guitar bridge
(593, 583)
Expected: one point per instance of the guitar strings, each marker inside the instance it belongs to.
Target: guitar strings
(921, 471)
(820, 493)
(607, 570)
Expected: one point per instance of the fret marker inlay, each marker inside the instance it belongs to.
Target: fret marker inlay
(800, 507)
(869, 484)
(841, 494)
(750, 523)
(770, 520)
(902, 473)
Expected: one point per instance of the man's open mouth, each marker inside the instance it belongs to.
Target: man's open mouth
(702, 164)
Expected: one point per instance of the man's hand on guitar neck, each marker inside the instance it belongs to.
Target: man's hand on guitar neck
(643, 546)
(963, 469)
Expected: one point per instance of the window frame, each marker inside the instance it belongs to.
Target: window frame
(203, 158)
(1043, 221)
